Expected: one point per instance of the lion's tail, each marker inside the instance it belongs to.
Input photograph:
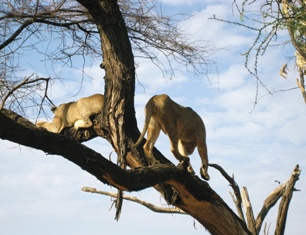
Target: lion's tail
(148, 112)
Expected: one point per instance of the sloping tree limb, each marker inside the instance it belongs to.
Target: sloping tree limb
(171, 210)
(268, 204)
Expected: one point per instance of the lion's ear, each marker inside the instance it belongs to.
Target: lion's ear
(53, 108)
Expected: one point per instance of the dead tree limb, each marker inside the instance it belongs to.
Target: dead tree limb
(268, 204)
(248, 210)
(171, 210)
(237, 198)
(285, 191)
(284, 203)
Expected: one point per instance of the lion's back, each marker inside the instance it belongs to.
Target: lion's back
(91, 105)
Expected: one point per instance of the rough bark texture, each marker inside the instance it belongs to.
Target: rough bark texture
(118, 63)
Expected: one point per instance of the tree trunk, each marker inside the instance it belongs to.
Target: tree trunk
(118, 63)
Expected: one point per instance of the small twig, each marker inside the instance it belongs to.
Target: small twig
(45, 97)
(150, 206)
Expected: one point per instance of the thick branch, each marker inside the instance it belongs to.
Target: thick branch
(195, 196)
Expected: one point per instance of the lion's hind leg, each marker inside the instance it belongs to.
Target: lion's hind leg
(49, 126)
(184, 149)
(181, 153)
(152, 135)
(83, 123)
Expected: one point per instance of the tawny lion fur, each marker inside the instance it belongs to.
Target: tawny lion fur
(183, 126)
(75, 114)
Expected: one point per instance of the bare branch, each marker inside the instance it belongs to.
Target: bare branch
(248, 210)
(268, 204)
(172, 210)
(26, 81)
(235, 188)
(15, 34)
(276, 194)
(284, 203)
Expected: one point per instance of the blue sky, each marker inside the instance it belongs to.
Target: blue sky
(41, 194)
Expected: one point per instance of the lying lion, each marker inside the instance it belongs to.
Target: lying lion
(183, 126)
(75, 114)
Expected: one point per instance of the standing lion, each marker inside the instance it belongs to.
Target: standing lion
(183, 126)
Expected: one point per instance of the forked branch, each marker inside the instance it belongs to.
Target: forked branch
(284, 191)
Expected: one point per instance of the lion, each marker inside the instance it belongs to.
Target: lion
(75, 114)
(183, 126)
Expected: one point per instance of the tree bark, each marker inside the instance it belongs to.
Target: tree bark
(118, 63)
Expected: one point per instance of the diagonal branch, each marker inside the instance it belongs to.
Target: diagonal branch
(172, 210)
(16, 33)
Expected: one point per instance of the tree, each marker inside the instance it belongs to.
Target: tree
(273, 17)
(104, 21)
